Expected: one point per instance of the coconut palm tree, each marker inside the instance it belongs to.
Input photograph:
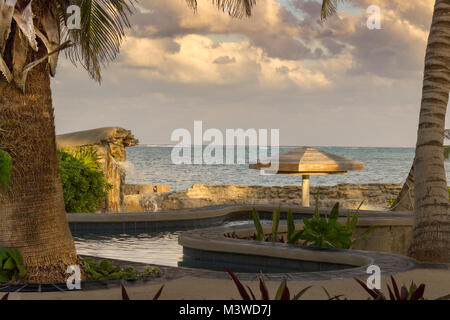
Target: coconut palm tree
(431, 231)
(32, 33)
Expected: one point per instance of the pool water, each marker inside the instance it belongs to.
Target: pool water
(160, 248)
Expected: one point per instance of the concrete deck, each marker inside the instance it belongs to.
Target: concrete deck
(192, 288)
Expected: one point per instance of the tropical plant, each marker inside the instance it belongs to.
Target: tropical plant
(259, 229)
(87, 155)
(292, 236)
(446, 152)
(155, 297)
(31, 35)
(414, 292)
(11, 265)
(275, 223)
(84, 184)
(282, 293)
(105, 270)
(326, 231)
(431, 234)
(5, 168)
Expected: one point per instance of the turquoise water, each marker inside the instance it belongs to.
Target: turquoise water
(153, 165)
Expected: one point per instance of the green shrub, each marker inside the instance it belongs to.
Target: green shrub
(5, 168)
(84, 185)
(11, 265)
(105, 270)
(446, 152)
(327, 232)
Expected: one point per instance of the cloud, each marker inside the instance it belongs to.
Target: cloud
(320, 83)
(224, 60)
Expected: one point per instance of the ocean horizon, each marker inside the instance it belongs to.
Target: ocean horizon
(152, 164)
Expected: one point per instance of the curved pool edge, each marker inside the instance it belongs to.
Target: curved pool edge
(213, 240)
(215, 211)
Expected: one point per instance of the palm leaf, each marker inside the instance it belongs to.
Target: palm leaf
(102, 31)
(329, 8)
(235, 8)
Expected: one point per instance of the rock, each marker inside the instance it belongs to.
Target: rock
(199, 195)
(110, 144)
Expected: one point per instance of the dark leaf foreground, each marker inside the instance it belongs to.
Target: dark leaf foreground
(126, 297)
(282, 293)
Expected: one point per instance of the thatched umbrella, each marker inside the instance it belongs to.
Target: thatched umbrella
(308, 161)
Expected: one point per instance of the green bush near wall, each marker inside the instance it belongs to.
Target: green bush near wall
(84, 184)
(446, 152)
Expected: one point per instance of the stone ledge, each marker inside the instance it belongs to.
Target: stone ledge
(213, 239)
(215, 211)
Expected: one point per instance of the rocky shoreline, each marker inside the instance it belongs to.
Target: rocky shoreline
(375, 196)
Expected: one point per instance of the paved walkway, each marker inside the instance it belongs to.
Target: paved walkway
(437, 284)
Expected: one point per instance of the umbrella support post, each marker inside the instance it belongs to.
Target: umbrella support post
(305, 190)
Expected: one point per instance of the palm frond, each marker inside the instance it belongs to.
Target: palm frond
(235, 8)
(102, 31)
(329, 8)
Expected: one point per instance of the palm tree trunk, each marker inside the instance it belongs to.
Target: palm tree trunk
(405, 199)
(431, 231)
(32, 215)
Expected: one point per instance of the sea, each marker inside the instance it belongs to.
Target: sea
(160, 164)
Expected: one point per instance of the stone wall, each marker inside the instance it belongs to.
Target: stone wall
(375, 196)
(110, 143)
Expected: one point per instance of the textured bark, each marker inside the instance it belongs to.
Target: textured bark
(405, 199)
(431, 233)
(32, 215)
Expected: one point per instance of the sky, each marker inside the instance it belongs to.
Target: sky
(332, 83)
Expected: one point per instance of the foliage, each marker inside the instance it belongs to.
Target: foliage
(329, 8)
(327, 232)
(275, 223)
(259, 229)
(414, 292)
(105, 270)
(5, 168)
(446, 152)
(390, 202)
(84, 186)
(86, 155)
(126, 297)
(11, 265)
(292, 236)
(281, 294)
(318, 231)
(101, 32)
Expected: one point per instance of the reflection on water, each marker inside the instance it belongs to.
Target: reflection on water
(154, 248)
(159, 248)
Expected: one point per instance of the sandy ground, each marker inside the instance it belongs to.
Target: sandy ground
(437, 284)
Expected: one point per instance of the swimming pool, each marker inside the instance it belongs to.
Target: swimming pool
(153, 238)
(159, 247)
